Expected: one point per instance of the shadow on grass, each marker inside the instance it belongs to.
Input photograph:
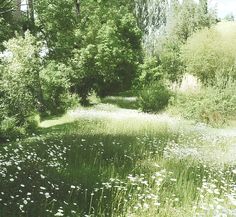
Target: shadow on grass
(95, 152)
(81, 153)
(85, 153)
(122, 102)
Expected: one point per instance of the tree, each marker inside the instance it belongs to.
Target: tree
(152, 17)
(17, 14)
(22, 66)
(55, 85)
(110, 49)
(229, 17)
(180, 21)
(191, 16)
(31, 10)
(20, 88)
(57, 21)
(77, 4)
(210, 53)
(6, 21)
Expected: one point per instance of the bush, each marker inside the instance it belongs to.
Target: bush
(171, 65)
(8, 128)
(154, 97)
(11, 127)
(167, 65)
(149, 71)
(211, 105)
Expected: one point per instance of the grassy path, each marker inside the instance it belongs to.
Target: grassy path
(134, 120)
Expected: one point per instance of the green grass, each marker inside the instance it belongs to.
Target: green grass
(107, 167)
(122, 102)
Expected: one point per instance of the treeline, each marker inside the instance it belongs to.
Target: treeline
(164, 44)
(190, 39)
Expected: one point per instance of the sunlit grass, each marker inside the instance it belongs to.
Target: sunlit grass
(114, 165)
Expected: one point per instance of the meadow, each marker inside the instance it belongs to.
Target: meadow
(109, 161)
(117, 109)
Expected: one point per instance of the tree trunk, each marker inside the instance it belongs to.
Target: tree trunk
(17, 13)
(77, 4)
(31, 10)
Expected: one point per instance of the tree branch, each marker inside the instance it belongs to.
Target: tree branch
(7, 11)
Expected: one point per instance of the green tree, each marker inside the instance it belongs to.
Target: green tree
(6, 22)
(54, 79)
(110, 49)
(6, 6)
(182, 20)
(20, 79)
(186, 18)
(210, 53)
(57, 21)
(229, 17)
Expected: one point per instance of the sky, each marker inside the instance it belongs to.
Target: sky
(223, 7)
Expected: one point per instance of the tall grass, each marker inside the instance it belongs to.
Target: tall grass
(110, 167)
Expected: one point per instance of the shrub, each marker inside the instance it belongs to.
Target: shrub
(149, 71)
(8, 128)
(12, 127)
(166, 65)
(210, 105)
(154, 97)
(171, 65)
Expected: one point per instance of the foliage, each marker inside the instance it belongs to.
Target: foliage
(149, 71)
(26, 89)
(19, 81)
(229, 17)
(167, 65)
(186, 18)
(210, 53)
(54, 79)
(107, 60)
(152, 17)
(154, 97)
(211, 105)
(107, 161)
(181, 20)
(4, 33)
(56, 21)
(171, 66)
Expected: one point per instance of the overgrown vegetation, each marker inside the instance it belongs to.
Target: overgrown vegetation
(155, 97)
(53, 60)
(77, 57)
(210, 105)
(203, 49)
(210, 54)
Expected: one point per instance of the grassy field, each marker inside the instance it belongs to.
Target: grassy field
(107, 161)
